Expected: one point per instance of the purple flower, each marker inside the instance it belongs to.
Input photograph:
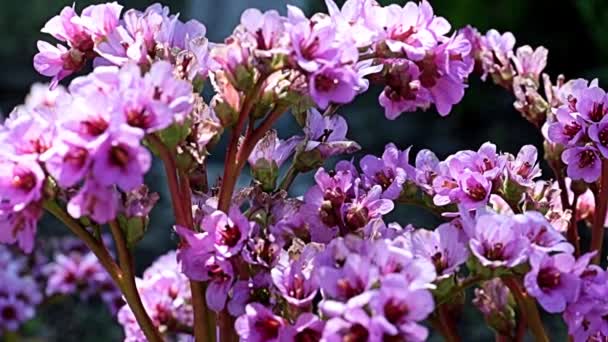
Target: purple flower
(98, 202)
(193, 255)
(551, 281)
(473, 190)
(355, 277)
(20, 227)
(267, 29)
(365, 207)
(331, 84)
(307, 327)
(324, 203)
(315, 42)
(427, 168)
(294, 278)
(496, 244)
(67, 27)
(583, 163)
(13, 313)
(176, 94)
(569, 127)
(259, 324)
(488, 162)
(271, 149)
(356, 20)
(29, 131)
(403, 91)
(592, 104)
(57, 61)
(199, 262)
(66, 162)
(390, 172)
(524, 168)
(407, 30)
(101, 19)
(446, 73)
(354, 325)
(442, 247)
(121, 160)
(599, 134)
(21, 181)
(540, 233)
(246, 291)
(530, 63)
(402, 309)
(327, 134)
(228, 232)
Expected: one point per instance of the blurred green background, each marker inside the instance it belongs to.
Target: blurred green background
(574, 31)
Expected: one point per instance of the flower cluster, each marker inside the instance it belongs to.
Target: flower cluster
(76, 271)
(100, 35)
(326, 265)
(165, 293)
(20, 291)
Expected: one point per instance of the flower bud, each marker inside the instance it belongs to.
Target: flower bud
(266, 172)
(308, 160)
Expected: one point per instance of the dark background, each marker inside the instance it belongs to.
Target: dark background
(572, 30)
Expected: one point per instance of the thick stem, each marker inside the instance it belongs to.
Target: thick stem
(94, 245)
(128, 286)
(120, 278)
(234, 162)
(183, 217)
(256, 135)
(527, 308)
(447, 324)
(290, 176)
(599, 217)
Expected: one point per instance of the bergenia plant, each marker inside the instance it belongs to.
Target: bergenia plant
(261, 262)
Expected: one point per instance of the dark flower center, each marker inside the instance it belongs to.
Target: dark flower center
(571, 129)
(230, 235)
(356, 333)
(25, 181)
(95, 126)
(586, 158)
(76, 157)
(385, 178)
(597, 112)
(495, 252)
(268, 328)
(357, 217)
(440, 262)
(139, 118)
(524, 169)
(347, 289)
(394, 310)
(548, 278)
(9, 313)
(307, 335)
(326, 83)
(119, 156)
(430, 72)
(477, 192)
(297, 289)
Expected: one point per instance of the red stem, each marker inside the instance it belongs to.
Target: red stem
(527, 308)
(183, 217)
(601, 205)
(123, 278)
